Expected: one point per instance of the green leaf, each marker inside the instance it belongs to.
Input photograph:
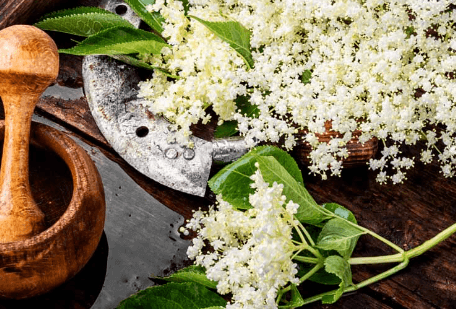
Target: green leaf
(340, 211)
(226, 129)
(117, 41)
(339, 235)
(192, 273)
(306, 75)
(229, 128)
(321, 276)
(82, 21)
(187, 295)
(295, 301)
(336, 265)
(74, 11)
(153, 19)
(309, 211)
(410, 31)
(155, 302)
(234, 34)
(131, 60)
(233, 181)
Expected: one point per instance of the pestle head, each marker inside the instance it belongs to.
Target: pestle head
(29, 60)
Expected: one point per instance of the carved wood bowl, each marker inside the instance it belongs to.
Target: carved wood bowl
(37, 265)
(358, 154)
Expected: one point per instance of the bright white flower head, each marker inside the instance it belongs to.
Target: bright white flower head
(252, 257)
(383, 67)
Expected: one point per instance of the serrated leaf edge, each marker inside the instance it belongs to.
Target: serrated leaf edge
(75, 10)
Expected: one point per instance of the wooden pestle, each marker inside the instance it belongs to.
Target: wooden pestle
(29, 63)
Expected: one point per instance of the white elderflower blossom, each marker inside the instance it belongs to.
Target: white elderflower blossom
(253, 250)
(387, 68)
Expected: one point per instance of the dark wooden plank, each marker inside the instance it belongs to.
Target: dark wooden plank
(25, 11)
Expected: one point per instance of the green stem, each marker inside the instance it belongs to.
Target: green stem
(363, 283)
(423, 135)
(298, 230)
(384, 240)
(427, 245)
(315, 252)
(310, 273)
(312, 243)
(306, 259)
(400, 257)
(301, 280)
(394, 258)
(403, 257)
(367, 231)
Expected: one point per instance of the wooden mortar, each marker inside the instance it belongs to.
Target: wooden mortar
(35, 258)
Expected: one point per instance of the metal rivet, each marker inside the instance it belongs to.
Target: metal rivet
(142, 131)
(121, 9)
(171, 153)
(189, 154)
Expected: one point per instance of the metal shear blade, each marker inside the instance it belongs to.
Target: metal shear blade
(138, 136)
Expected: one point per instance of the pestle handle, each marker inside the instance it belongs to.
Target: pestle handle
(29, 63)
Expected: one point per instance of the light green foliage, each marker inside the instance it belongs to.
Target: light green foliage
(309, 211)
(233, 181)
(340, 211)
(306, 76)
(339, 235)
(191, 273)
(229, 128)
(134, 61)
(82, 21)
(173, 295)
(154, 19)
(296, 299)
(118, 41)
(338, 266)
(234, 34)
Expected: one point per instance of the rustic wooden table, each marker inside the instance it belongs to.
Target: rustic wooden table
(143, 217)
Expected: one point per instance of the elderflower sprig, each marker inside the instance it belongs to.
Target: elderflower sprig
(264, 237)
(252, 250)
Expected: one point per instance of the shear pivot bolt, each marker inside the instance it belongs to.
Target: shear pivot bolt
(189, 154)
(171, 153)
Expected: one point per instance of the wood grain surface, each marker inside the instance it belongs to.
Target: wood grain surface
(24, 11)
(407, 214)
(35, 257)
(28, 65)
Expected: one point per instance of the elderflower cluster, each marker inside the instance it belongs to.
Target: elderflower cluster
(252, 250)
(206, 68)
(387, 68)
